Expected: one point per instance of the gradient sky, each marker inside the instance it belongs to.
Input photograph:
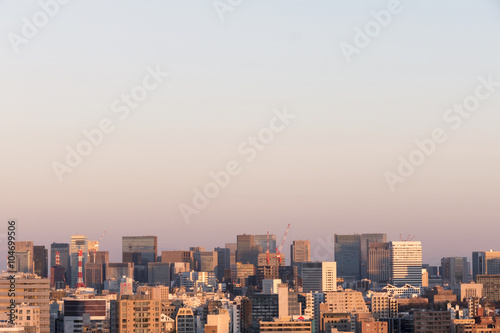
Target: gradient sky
(323, 174)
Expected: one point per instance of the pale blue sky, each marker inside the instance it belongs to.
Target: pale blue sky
(323, 174)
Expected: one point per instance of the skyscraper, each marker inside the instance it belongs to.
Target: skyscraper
(244, 248)
(78, 242)
(406, 260)
(64, 258)
(300, 251)
(24, 256)
(485, 262)
(379, 262)
(261, 240)
(40, 261)
(223, 262)
(454, 270)
(348, 256)
(140, 250)
(366, 240)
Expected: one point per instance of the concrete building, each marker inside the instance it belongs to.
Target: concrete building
(319, 276)
(247, 250)
(223, 262)
(115, 271)
(135, 314)
(28, 317)
(288, 304)
(384, 305)
(300, 251)
(99, 257)
(379, 262)
(406, 291)
(275, 259)
(240, 272)
(178, 256)
(468, 290)
(432, 321)
(491, 286)
(455, 270)
(286, 324)
(261, 240)
(94, 276)
(233, 247)
(140, 250)
(185, 321)
(31, 290)
(78, 242)
(350, 301)
(406, 260)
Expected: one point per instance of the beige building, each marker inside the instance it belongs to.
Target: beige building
(432, 321)
(286, 324)
(384, 305)
(28, 316)
(300, 251)
(350, 301)
(491, 286)
(29, 289)
(135, 314)
(468, 290)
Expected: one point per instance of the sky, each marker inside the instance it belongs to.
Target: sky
(232, 67)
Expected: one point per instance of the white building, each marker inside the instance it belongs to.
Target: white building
(406, 259)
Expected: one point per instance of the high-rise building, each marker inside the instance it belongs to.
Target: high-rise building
(485, 263)
(233, 247)
(178, 256)
(348, 256)
(140, 250)
(223, 262)
(99, 257)
(366, 240)
(40, 261)
(205, 261)
(319, 276)
(115, 271)
(159, 273)
(24, 256)
(406, 260)
(261, 240)
(64, 258)
(431, 321)
(78, 242)
(77, 311)
(454, 270)
(300, 251)
(94, 275)
(379, 263)
(30, 289)
(245, 243)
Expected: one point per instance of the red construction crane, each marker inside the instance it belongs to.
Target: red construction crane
(278, 249)
(267, 251)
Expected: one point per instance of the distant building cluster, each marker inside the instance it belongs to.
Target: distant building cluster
(369, 285)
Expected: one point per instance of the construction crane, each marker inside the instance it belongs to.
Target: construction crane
(94, 250)
(278, 249)
(267, 251)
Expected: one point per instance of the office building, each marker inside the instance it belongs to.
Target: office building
(140, 250)
(365, 241)
(24, 256)
(205, 261)
(491, 286)
(178, 256)
(286, 325)
(300, 251)
(94, 276)
(159, 273)
(84, 312)
(379, 263)
(384, 305)
(223, 262)
(432, 321)
(468, 290)
(115, 271)
(454, 270)
(30, 289)
(348, 256)
(485, 263)
(136, 314)
(319, 276)
(406, 261)
(78, 242)
(40, 261)
(64, 258)
(185, 321)
(275, 259)
(99, 257)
